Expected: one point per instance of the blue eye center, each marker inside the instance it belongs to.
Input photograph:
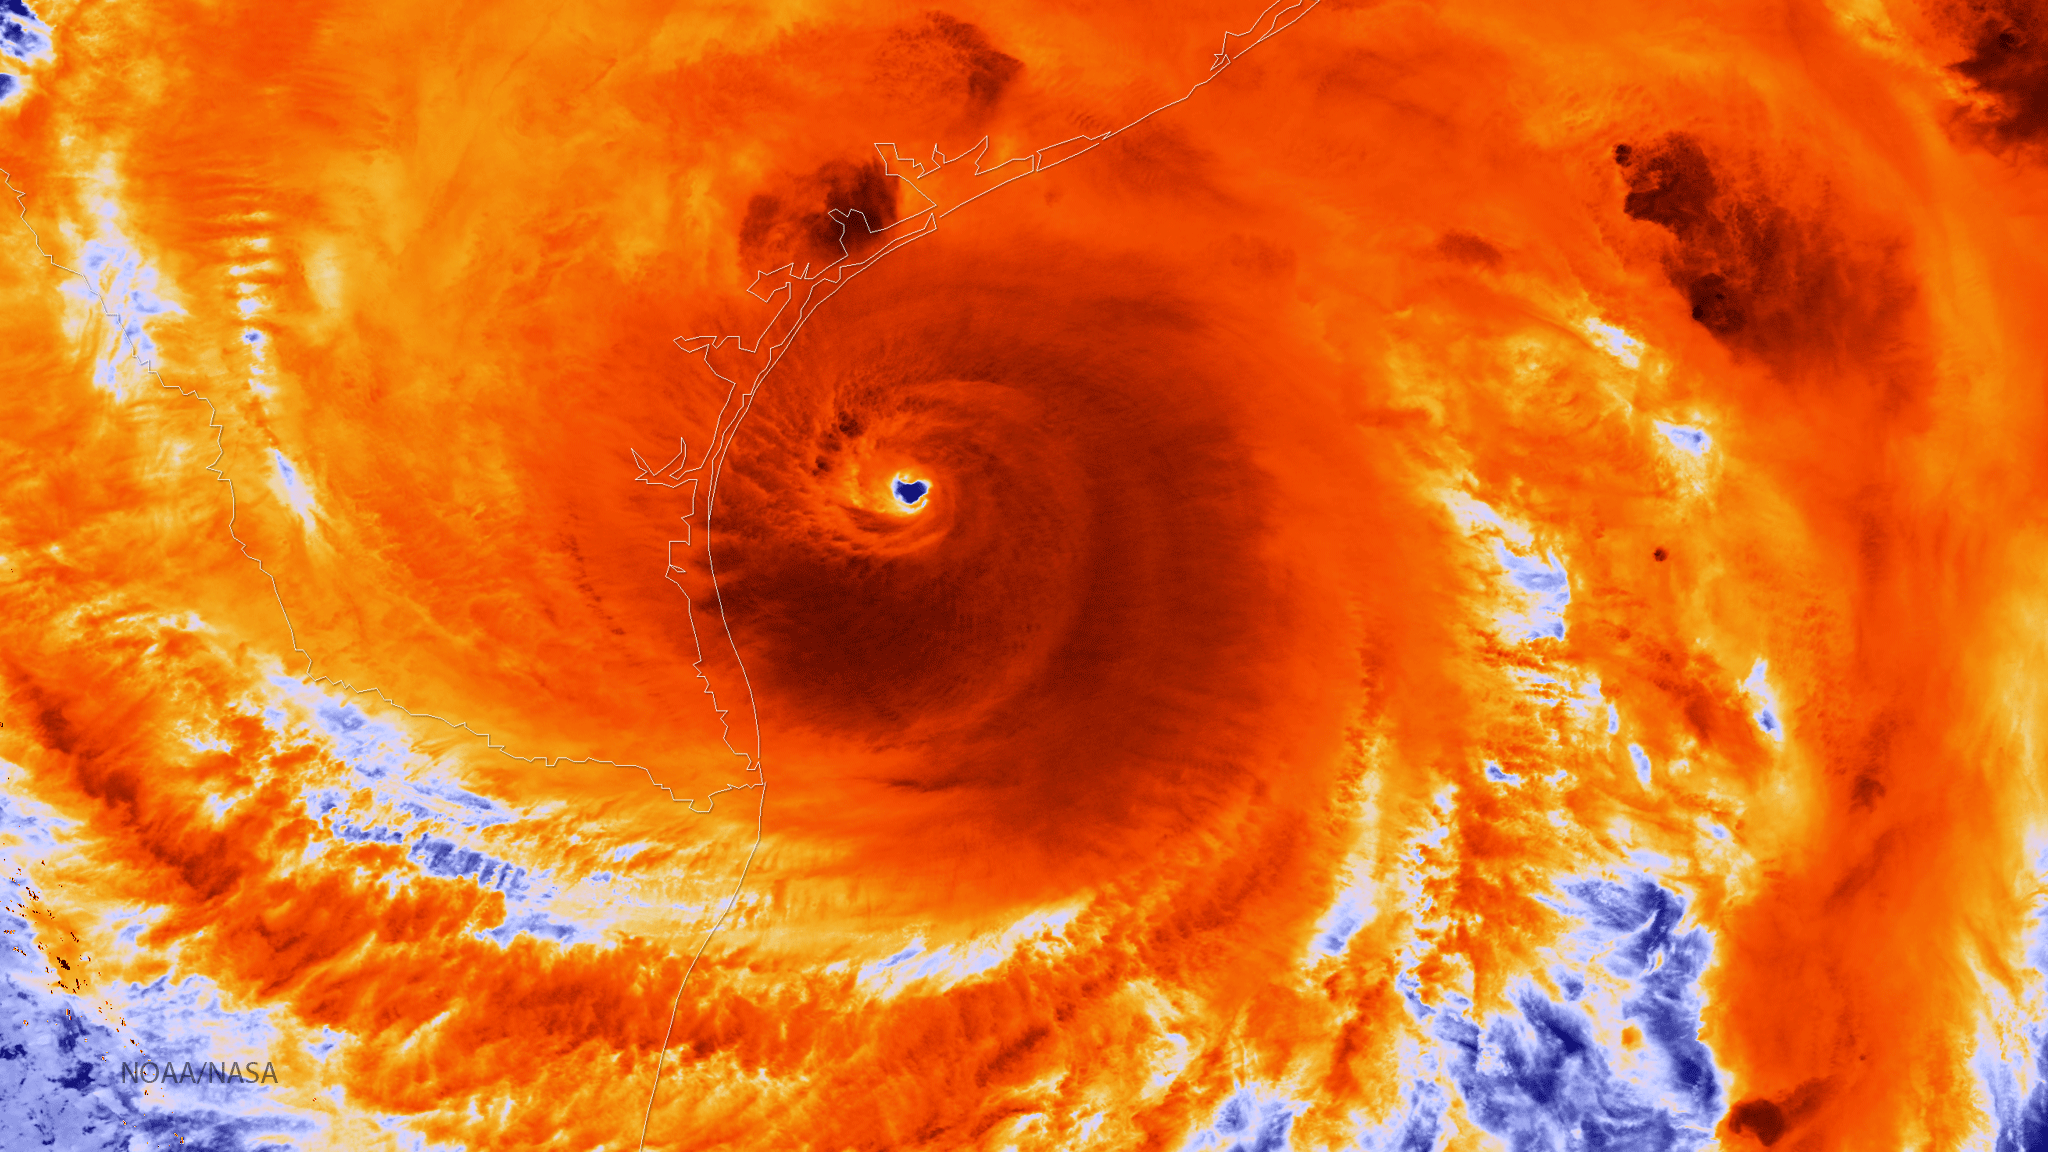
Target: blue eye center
(911, 491)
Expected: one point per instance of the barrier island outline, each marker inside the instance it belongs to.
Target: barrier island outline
(808, 291)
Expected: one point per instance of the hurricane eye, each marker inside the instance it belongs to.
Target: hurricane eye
(909, 492)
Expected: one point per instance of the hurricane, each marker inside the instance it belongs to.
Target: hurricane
(1412, 576)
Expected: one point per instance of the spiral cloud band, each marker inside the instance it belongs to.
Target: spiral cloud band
(1356, 575)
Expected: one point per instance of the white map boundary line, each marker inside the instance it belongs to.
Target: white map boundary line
(120, 322)
(705, 474)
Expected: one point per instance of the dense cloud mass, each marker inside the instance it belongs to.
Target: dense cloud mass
(1363, 575)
